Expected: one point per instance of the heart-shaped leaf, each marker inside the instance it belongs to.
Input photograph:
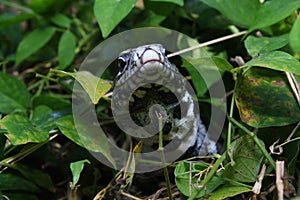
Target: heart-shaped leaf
(109, 13)
(21, 131)
(247, 159)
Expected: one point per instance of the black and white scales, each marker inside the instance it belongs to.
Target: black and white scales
(148, 87)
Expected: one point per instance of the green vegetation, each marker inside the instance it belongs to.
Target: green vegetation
(43, 43)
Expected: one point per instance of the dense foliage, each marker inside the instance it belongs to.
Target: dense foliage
(44, 42)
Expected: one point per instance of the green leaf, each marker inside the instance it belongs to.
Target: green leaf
(56, 103)
(273, 11)
(61, 20)
(277, 60)
(2, 130)
(76, 168)
(10, 20)
(45, 117)
(13, 94)
(109, 13)
(255, 45)
(67, 127)
(178, 2)
(295, 36)
(208, 69)
(240, 12)
(228, 191)
(33, 42)
(94, 86)
(204, 69)
(247, 159)
(21, 131)
(182, 179)
(264, 98)
(222, 64)
(38, 177)
(41, 6)
(66, 49)
(13, 195)
(16, 183)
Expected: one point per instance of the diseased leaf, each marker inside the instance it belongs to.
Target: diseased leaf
(273, 11)
(13, 94)
(264, 98)
(255, 45)
(109, 13)
(33, 42)
(295, 36)
(21, 131)
(247, 159)
(66, 49)
(94, 86)
(277, 60)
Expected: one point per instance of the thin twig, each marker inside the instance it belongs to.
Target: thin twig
(291, 140)
(130, 196)
(227, 37)
(294, 85)
(293, 132)
(279, 179)
(257, 186)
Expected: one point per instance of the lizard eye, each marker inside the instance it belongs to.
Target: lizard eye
(122, 63)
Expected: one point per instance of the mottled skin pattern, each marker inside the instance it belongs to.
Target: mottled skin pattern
(147, 71)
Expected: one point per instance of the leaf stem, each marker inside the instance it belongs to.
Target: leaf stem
(210, 175)
(230, 128)
(161, 149)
